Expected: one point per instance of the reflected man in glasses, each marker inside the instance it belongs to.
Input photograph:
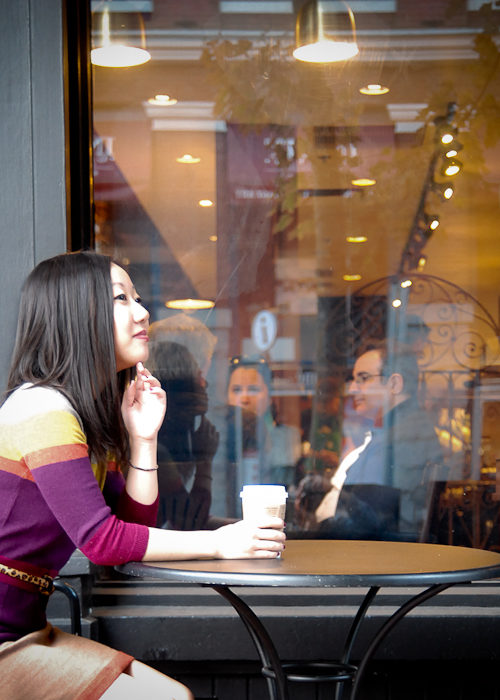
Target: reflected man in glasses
(381, 488)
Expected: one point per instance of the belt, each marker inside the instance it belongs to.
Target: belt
(45, 583)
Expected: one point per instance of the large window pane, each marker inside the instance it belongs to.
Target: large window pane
(350, 350)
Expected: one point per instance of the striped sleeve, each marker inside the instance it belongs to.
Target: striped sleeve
(52, 451)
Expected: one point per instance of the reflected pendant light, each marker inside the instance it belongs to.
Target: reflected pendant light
(316, 40)
(114, 49)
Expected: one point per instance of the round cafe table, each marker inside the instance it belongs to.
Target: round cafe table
(330, 563)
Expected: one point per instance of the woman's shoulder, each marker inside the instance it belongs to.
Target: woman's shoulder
(29, 400)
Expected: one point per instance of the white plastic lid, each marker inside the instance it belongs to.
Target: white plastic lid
(267, 492)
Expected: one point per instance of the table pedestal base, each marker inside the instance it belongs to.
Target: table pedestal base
(342, 672)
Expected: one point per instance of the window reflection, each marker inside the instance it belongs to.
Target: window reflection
(262, 449)
(307, 266)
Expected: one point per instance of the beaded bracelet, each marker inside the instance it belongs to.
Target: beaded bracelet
(143, 469)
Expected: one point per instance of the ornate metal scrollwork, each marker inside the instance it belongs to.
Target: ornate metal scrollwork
(447, 325)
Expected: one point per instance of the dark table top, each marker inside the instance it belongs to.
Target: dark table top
(316, 563)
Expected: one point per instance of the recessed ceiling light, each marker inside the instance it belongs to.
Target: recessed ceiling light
(189, 304)
(363, 182)
(212, 238)
(374, 89)
(356, 239)
(406, 283)
(351, 278)
(188, 158)
(206, 203)
(396, 303)
(162, 100)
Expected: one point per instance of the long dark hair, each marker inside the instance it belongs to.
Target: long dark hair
(65, 340)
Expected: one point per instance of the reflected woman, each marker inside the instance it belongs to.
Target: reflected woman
(263, 449)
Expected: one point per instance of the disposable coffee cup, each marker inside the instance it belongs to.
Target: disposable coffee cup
(258, 500)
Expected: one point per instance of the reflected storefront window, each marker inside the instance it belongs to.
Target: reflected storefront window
(317, 245)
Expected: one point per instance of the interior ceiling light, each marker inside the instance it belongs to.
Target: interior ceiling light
(445, 131)
(374, 89)
(453, 149)
(444, 189)
(356, 239)
(396, 303)
(317, 41)
(432, 221)
(447, 136)
(213, 238)
(206, 203)
(451, 168)
(188, 159)
(363, 182)
(421, 262)
(162, 100)
(351, 278)
(111, 51)
(405, 284)
(190, 304)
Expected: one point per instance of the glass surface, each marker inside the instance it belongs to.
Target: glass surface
(305, 203)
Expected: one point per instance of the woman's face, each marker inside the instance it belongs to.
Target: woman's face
(248, 389)
(131, 321)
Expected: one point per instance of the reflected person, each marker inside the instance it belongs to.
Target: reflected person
(381, 488)
(269, 448)
(187, 330)
(187, 440)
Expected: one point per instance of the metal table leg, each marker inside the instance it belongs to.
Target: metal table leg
(388, 626)
(353, 632)
(277, 686)
(278, 674)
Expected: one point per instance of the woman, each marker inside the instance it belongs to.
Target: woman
(268, 449)
(80, 406)
(187, 440)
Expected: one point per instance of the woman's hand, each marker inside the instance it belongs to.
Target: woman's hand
(248, 540)
(143, 406)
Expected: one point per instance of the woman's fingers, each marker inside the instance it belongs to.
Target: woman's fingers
(245, 539)
(129, 394)
(144, 404)
(269, 539)
(269, 521)
(144, 379)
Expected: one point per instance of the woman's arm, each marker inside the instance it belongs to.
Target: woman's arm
(241, 540)
(143, 409)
